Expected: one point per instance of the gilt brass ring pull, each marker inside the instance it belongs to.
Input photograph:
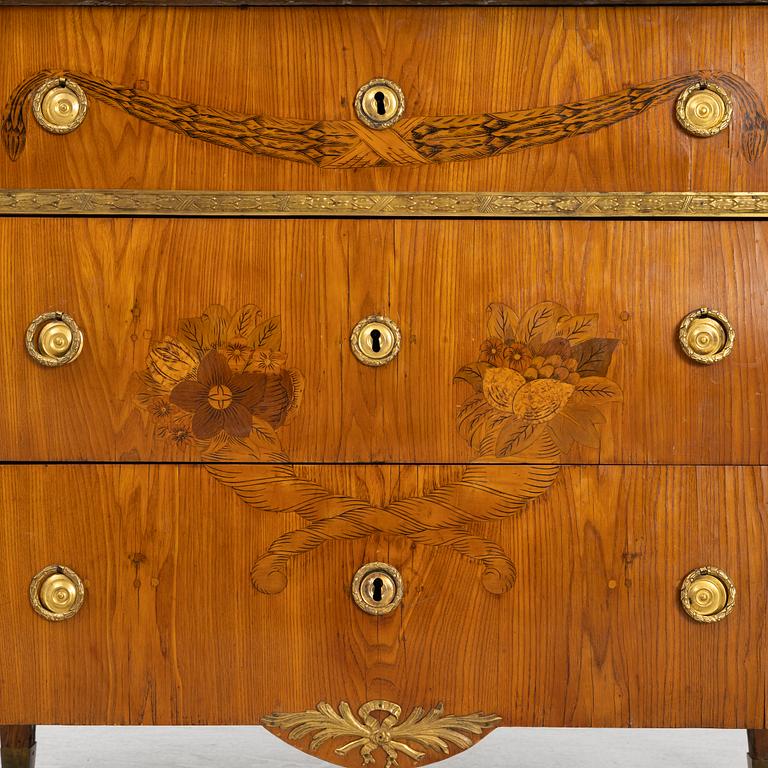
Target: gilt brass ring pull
(707, 594)
(704, 109)
(59, 105)
(54, 339)
(56, 593)
(706, 336)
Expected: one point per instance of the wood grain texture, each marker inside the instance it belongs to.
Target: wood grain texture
(457, 61)
(129, 282)
(592, 625)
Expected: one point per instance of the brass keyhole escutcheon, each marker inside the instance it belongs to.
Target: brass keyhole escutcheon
(375, 340)
(54, 339)
(377, 588)
(707, 594)
(380, 103)
(59, 105)
(706, 336)
(704, 109)
(56, 593)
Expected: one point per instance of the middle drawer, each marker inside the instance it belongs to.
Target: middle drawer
(568, 328)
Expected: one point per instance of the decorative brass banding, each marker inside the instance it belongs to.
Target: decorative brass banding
(706, 336)
(56, 593)
(704, 109)
(402, 205)
(707, 594)
(377, 588)
(59, 105)
(53, 339)
(379, 103)
(375, 340)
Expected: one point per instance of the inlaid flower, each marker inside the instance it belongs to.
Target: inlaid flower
(546, 388)
(492, 351)
(518, 356)
(219, 399)
(238, 353)
(266, 361)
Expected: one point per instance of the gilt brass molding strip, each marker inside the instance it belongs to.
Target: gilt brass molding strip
(502, 205)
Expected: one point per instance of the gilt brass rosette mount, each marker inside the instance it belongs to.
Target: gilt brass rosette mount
(706, 336)
(53, 339)
(56, 593)
(707, 594)
(59, 105)
(704, 109)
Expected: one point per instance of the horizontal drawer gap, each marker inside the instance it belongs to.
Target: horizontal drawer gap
(584, 464)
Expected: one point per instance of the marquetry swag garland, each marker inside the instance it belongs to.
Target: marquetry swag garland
(222, 388)
(412, 140)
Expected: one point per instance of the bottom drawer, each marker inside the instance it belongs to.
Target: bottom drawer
(591, 633)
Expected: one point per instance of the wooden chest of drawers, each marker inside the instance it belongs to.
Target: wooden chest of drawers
(384, 375)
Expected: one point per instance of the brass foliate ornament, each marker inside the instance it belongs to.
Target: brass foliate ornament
(380, 725)
(60, 105)
(704, 109)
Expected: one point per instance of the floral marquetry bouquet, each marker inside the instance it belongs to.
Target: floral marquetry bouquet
(539, 383)
(222, 383)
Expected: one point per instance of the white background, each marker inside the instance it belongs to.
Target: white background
(60, 747)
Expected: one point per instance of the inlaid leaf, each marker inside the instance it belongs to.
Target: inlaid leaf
(515, 436)
(169, 362)
(577, 424)
(502, 322)
(215, 320)
(597, 390)
(473, 375)
(191, 331)
(472, 420)
(594, 356)
(577, 328)
(293, 380)
(541, 320)
(243, 323)
(267, 334)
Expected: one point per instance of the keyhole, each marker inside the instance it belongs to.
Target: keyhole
(376, 346)
(378, 585)
(381, 102)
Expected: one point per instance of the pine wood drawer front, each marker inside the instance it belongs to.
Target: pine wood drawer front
(285, 295)
(503, 99)
(172, 631)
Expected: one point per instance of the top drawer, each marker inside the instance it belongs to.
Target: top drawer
(495, 98)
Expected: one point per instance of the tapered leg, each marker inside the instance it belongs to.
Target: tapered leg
(758, 748)
(18, 746)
